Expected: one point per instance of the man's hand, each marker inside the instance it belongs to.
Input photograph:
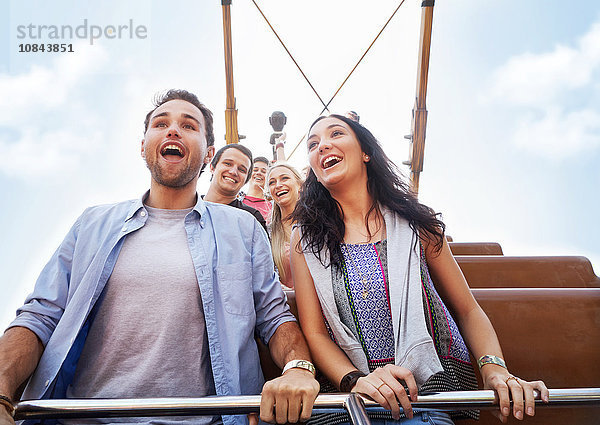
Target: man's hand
(5, 418)
(20, 351)
(289, 398)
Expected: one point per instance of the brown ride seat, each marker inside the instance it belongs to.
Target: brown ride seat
(475, 248)
(551, 334)
(493, 271)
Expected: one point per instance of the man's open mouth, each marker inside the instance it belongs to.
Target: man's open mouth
(172, 152)
(229, 179)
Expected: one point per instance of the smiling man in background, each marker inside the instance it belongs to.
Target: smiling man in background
(230, 170)
(256, 192)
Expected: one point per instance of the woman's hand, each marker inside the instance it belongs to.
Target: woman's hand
(506, 386)
(383, 386)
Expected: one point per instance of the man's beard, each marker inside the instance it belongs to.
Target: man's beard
(176, 181)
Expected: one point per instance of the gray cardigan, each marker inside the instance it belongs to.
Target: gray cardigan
(414, 348)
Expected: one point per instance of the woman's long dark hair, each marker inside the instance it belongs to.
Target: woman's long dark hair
(321, 217)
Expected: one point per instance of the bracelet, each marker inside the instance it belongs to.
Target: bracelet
(489, 359)
(349, 380)
(302, 364)
(7, 402)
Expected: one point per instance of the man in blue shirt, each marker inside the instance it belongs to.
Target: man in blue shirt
(161, 296)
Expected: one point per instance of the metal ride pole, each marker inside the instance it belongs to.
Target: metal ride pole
(236, 405)
(419, 121)
(231, 128)
(355, 406)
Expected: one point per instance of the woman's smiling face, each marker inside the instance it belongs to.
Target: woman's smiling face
(334, 153)
(283, 186)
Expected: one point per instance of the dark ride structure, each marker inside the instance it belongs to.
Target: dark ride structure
(545, 310)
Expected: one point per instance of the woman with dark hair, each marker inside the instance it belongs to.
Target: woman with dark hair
(375, 284)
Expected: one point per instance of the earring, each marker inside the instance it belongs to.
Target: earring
(367, 158)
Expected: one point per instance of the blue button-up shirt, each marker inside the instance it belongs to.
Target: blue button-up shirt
(240, 291)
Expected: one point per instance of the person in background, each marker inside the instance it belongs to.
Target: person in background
(255, 197)
(284, 183)
(230, 170)
(353, 116)
(375, 284)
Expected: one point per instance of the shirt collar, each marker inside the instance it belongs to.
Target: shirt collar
(200, 205)
(138, 204)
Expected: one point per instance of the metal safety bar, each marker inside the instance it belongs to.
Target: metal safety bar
(355, 405)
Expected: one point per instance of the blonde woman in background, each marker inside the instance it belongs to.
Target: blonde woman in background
(284, 183)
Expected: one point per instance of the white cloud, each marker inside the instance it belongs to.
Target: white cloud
(44, 88)
(543, 88)
(33, 101)
(532, 79)
(37, 153)
(559, 133)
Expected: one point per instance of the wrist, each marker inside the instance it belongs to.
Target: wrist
(349, 380)
(492, 370)
(489, 359)
(304, 365)
(7, 405)
(299, 373)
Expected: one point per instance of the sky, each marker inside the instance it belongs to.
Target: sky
(513, 132)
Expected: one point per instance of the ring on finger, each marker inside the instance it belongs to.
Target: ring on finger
(381, 385)
(509, 378)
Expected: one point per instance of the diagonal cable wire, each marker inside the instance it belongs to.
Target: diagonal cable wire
(326, 107)
(294, 60)
(296, 147)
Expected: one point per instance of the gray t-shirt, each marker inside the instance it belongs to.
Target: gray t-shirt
(148, 338)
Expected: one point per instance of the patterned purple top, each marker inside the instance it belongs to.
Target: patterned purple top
(360, 288)
(368, 295)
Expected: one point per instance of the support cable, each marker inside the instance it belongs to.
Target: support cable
(296, 147)
(326, 108)
(294, 60)
(326, 105)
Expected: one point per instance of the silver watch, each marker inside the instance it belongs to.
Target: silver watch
(302, 364)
